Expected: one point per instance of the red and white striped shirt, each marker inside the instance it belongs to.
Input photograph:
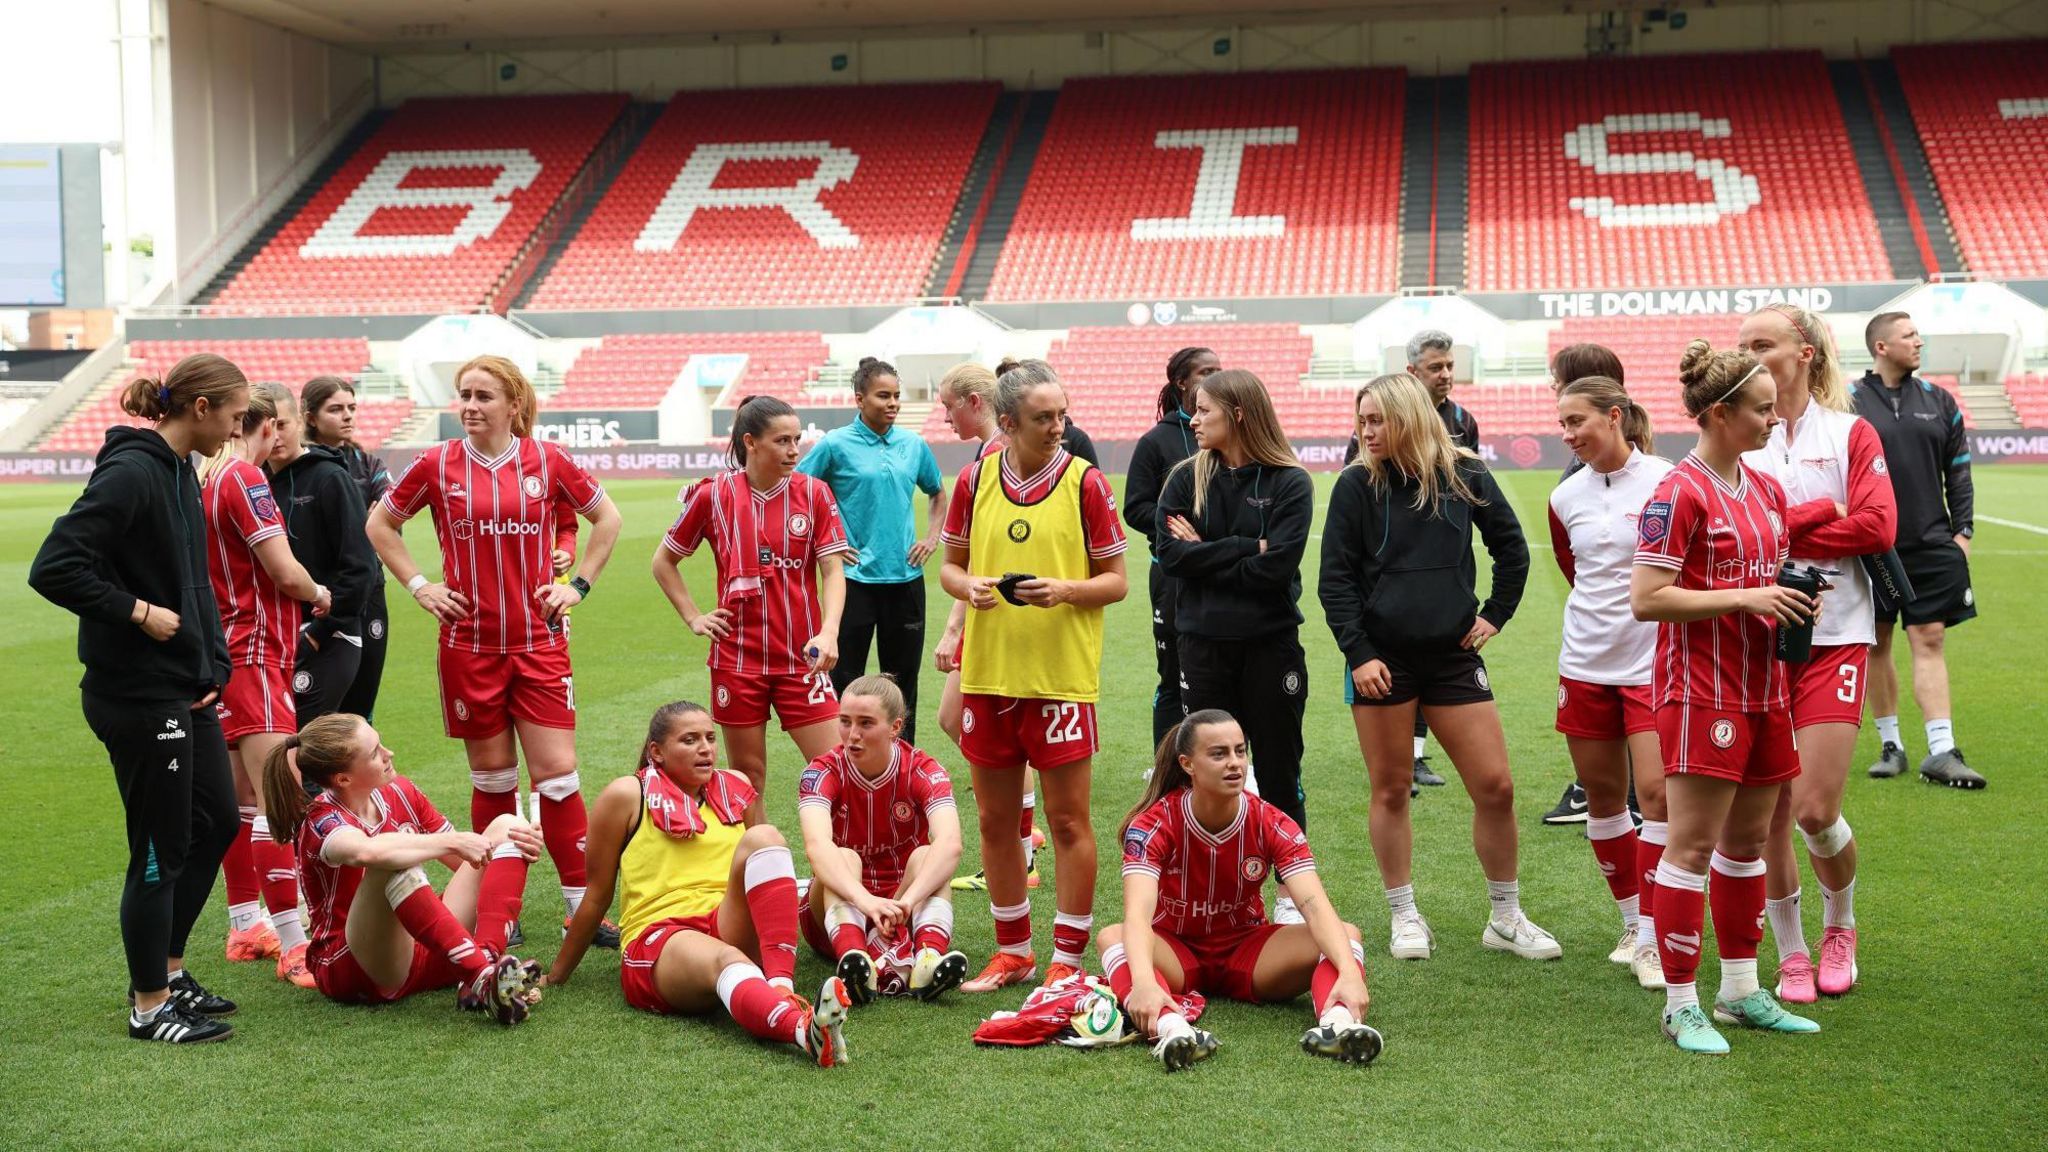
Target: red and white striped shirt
(495, 520)
(884, 819)
(1209, 882)
(1716, 538)
(795, 523)
(331, 888)
(257, 616)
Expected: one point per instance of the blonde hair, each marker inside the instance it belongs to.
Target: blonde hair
(970, 379)
(881, 687)
(1606, 394)
(267, 401)
(200, 375)
(1824, 371)
(525, 404)
(1417, 443)
(1256, 428)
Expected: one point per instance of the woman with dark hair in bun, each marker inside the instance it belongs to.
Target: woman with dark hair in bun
(873, 467)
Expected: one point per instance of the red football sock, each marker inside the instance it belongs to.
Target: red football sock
(1025, 819)
(1681, 914)
(278, 874)
(1013, 928)
(238, 867)
(1647, 857)
(564, 825)
(1118, 967)
(1070, 935)
(498, 898)
(1617, 857)
(771, 900)
(758, 1006)
(428, 921)
(849, 938)
(1319, 984)
(931, 936)
(485, 807)
(1738, 904)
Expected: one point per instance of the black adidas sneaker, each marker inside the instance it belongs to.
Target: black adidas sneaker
(176, 1024)
(187, 993)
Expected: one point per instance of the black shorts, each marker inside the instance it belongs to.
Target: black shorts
(1454, 677)
(1941, 586)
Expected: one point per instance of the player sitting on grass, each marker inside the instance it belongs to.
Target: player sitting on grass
(707, 902)
(1197, 848)
(883, 836)
(371, 825)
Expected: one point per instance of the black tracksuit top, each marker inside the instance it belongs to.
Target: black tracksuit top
(324, 519)
(1229, 589)
(1928, 454)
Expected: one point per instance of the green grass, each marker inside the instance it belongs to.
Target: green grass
(1942, 1046)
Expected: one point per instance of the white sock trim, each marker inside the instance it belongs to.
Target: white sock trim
(506, 851)
(734, 975)
(771, 863)
(561, 787)
(495, 780)
(1670, 875)
(1113, 958)
(935, 912)
(1654, 832)
(404, 884)
(1610, 827)
(1737, 869)
(840, 914)
(1010, 911)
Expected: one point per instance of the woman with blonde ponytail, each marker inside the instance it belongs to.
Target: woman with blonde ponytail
(1837, 483)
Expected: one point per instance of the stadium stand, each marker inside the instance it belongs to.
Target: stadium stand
(1649, 347)
(2029, 397)
(1982, 115)
(1244, 185)
(431, 212)
(1670, 170)
(288, 362)
(635, 371)
(778, 197)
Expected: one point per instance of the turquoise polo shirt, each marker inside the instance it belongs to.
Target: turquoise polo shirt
(873, 478)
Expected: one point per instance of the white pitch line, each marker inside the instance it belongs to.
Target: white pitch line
(2036, 529)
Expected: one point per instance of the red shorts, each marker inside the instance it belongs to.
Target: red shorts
(742, 699)
(883, 950)
(482, 692)
(1828, 689)
(1749, 748)
(1222, 964)
(343, 980)
(1603, 711)
(1004, 732)
(636, 962)
(257, 699)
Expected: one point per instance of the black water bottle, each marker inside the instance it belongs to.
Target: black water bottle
(1795, 641)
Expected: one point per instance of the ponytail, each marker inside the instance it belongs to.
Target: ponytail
(1178, 368)
(752, 418)
(1606, 394)
(201, 375)
(1167, 770)
(284, 801)
(324, 749)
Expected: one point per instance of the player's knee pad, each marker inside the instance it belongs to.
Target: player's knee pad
(560, 788)
(1830, 840)
(401, 886)
(494, 780)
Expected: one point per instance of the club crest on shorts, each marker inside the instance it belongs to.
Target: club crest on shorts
(531, 486)
(1254, 869)
(376, 629)
(1479, 678)
(1291, 683)
(302, 682)
(1020, 530)
(1969, 597)
(901, 811)
(1562, 695)
(1722, 733)
(461, 710)
(966, 720)
(724, 696)
(799, 525)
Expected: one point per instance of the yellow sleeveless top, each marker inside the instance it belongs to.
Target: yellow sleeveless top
(1029, 652)
(661, 877)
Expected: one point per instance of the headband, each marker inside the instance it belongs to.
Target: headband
(1738, 385)
(1785, 310)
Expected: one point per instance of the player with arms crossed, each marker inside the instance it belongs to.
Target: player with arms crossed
(1033, 546)
(883, 837)
(369, 824)
(259, 585)
(1197, 849)
(707, 894)
(504, 658)
(779, 547)
(1839, 491)
(1709, 546)
(1603, 665)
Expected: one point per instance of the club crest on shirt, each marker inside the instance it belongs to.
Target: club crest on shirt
(1722, 733)
(901, 811)
(1254, 869)
(799, 525)
(1879, 466)
(302, 682)
(1020, 531)
(1777, 524)
(531, 486)
(1656, 522)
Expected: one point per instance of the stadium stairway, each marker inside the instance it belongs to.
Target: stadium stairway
(1990, 406)
(1433, 183)
(1035, 113)
(623, 141)
(963, 231)
(1452, 203)
(1873, 160)
(1882, 77)
(289, 210)
(116, 376)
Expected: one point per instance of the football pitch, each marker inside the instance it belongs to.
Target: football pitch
(1942, 1046)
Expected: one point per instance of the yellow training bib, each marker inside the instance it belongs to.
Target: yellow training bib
(1029, 652)
(661, 877)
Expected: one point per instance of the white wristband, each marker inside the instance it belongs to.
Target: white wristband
(418, 581)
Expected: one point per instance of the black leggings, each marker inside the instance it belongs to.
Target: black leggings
(171, 766)
(890, 618)
(1166, 709)
(1264, 683)
(361, 697)
(322, 679)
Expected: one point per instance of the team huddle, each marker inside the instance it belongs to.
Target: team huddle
(1715, 656)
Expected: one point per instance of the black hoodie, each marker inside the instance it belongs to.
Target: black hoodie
(324, 518)
(1161, 447)
(1229, 589)
(136, 532)
(1399, 580)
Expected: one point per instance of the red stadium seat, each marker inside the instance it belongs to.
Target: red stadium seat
(635, 371)
(1649, 347)
(1982, 113)
(779, 197)
(1154, 187)
(1685, 170)
(430, 214)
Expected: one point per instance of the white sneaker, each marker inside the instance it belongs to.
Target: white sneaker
(1409, 938)
(1284, 912)
(1521, 937)
(1624, 952)
(1649, 967)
